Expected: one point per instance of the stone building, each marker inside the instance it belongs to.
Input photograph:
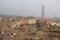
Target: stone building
(27, 21)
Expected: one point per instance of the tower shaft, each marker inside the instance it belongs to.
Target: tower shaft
(43, 15)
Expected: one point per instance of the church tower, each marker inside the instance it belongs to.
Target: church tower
(43, 13)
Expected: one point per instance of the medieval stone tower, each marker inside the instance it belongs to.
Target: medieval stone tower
(43, 15)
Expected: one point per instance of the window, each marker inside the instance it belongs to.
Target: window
(11, 33)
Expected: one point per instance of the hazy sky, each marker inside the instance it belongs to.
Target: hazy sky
(30, 7)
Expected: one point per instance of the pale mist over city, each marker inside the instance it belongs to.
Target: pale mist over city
(30, 7)
(29, 19)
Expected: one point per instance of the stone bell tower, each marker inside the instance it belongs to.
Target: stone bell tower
(43, 15)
